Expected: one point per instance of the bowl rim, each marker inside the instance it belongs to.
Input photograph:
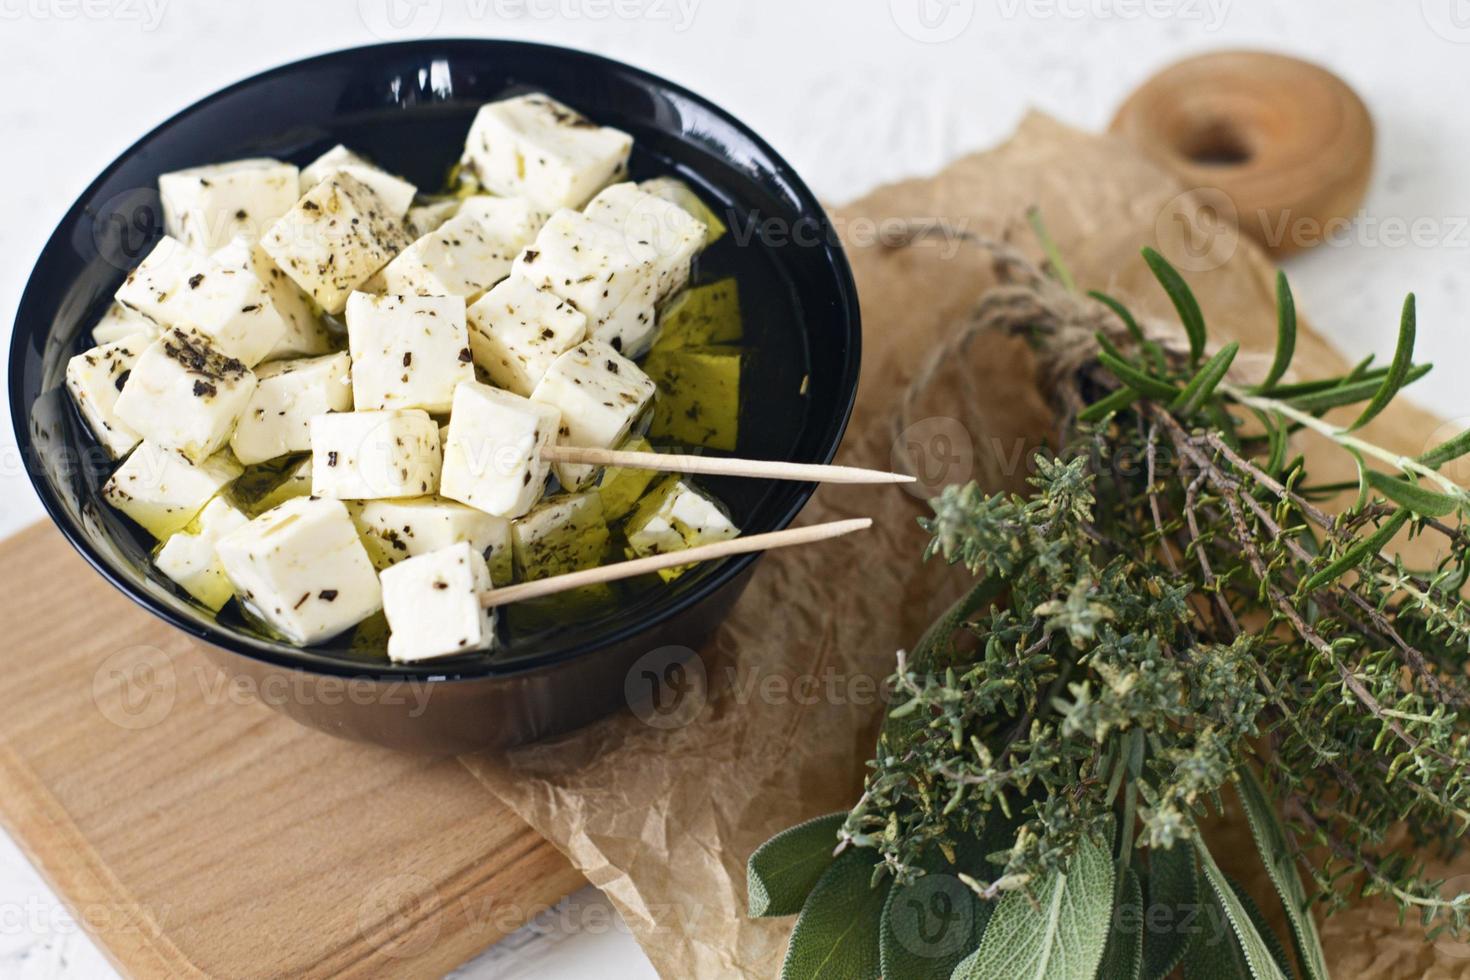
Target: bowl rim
(281, 655)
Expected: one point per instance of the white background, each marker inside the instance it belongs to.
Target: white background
(852, 92)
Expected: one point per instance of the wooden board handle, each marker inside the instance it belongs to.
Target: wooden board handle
(1287, 142)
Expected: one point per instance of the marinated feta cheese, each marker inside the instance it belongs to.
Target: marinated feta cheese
(621, 487)
(304, 335)
(632, 327)
(288, 394)
(162, 491)
(611, 278)
(565, 533)
(367, 455)
(180, 288)
(295, 482)
(301, 568)
(396, 529)
(493, 460)
(397, 193)
(205, 207)
(95, 379)
(468, 254)
(599, 393)
(408, 351)
(675, 235)
(184, 393)
(517, 330)
(432, 602)
(533, 146)
(121, 321)
(188, 557)
(426, 217)
(673, 517)
(674, 190)
(335, 238)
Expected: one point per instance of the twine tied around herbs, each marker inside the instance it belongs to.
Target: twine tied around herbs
(1060, 324)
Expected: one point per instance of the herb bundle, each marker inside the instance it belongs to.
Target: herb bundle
(1168, 616)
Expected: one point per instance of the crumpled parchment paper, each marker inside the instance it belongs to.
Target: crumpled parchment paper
(661, 811)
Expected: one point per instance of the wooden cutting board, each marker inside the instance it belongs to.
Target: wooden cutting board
(193, 831)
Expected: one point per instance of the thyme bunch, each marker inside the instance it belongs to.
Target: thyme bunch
(1169, 615)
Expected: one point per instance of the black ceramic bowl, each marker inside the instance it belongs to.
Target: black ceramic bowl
(409, 106)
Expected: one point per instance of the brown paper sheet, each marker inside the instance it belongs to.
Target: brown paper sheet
(662, 813)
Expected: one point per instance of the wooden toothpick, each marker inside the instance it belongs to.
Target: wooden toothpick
(643, 566)
(721, 466)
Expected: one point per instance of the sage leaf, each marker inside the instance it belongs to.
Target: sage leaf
(1123, 957)
(1205, 380)
(1281, 866)
(1183, 299)
(1250, 946)
(1285, 332)
(1446, 451)
(1062, 936)
(1172, 904)
(1370, 545)
(1398, 368)
(783, 870)
(836, 936)
(1421, 500)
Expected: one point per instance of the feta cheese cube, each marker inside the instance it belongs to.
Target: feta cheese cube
(533, 146)
(183, 393)
(674, 234)
(304, 335)
(632, 327)
(673, 517)
(394, 530)
(517, 330)
(565, 533)
(397, 193)
(407, 351)
(188, 557)
(424, 218)
(492, 460)
(701, 316)
(610, 278)
(432, 602)
(205, 207)
(180, 288)
(288, 394)
(621, 487)
(675, 190)
(95, 379)
(699, 395)
(466, 255)
(122, 321)
(599, 393)
(366, 455)
(334, 239)
(293, 481)
(301, 568)
(162, 491)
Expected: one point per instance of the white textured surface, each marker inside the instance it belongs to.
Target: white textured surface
(852, 92)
